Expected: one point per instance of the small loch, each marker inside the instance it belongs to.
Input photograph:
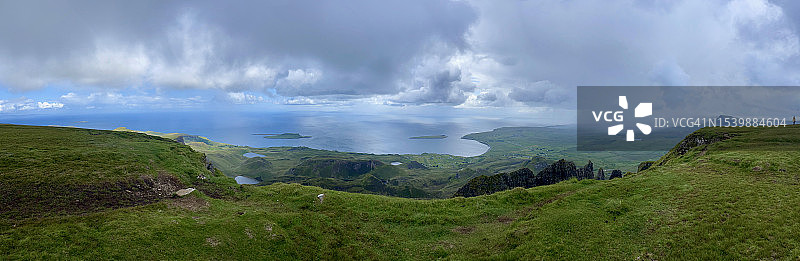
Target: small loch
(245, 180)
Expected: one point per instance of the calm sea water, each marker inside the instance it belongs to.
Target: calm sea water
(349, 132)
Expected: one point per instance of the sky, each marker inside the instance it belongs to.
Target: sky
(520, 56)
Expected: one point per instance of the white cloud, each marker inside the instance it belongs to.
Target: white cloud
(244, 98)
(118, 100)
(300, 101)
(298, 78)
(48, 105)
(25, 104)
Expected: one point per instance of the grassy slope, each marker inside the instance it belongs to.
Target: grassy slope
(708, 203)
(47, 170)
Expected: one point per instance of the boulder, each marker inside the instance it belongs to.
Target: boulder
(184, 192)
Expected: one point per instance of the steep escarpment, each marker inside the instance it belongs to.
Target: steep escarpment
(339, 168)
(554, 173)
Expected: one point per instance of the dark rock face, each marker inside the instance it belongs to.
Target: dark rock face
(209, 164)
(601, 175)
(556, 172)
(587, 172)
(615, 174)
(347, 169)
(645, 165)
(482, 185)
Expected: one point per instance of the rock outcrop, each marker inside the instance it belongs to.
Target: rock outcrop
(483, 185)
(601, 175)
(556, 172)
(209, 164)
(587, 172)
(696, 139)
(645, 165)
(615, 174)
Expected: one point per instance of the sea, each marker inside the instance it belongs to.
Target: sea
(329, 130)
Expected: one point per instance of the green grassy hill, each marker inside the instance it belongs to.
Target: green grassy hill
(725, 193)
(49, 170)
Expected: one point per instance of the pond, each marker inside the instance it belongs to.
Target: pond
(245, 180)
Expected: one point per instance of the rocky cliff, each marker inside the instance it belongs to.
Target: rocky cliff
(347, 169)
(554, 173)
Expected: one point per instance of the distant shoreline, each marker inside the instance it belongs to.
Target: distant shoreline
(284, 136)
(430, 137)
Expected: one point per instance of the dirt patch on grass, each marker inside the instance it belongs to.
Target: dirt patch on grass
(464, 230)
(212, 241)
(26, 200)
(443, 245)
(193, 204)
(553, 199)
(543, 203)
(505, 219)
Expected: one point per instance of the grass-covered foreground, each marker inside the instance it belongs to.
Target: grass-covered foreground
(738, 198)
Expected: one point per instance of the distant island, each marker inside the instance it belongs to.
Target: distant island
(431, 137)
(284, 136)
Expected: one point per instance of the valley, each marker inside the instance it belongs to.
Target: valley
(426, 175)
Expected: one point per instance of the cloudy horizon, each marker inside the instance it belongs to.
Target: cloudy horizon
(526, 55)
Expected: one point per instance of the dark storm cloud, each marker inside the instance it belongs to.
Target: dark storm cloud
(53, 29)
(470, 53)
(353, 47)
(445, 86)
(572, 43)
(361, 45)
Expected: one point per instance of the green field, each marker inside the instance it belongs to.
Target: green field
(736, 199)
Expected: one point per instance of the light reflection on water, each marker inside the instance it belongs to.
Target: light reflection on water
(245, 180)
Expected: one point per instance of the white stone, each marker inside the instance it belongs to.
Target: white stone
(184, 192)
